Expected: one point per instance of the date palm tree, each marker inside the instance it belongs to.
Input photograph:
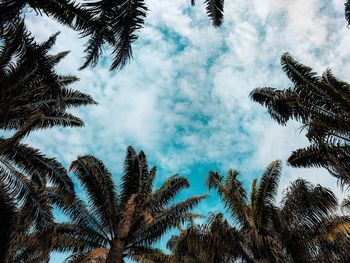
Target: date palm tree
(322, 105)
(118, 222)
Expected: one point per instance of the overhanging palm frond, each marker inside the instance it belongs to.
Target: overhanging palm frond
(215, 10)
(322, 105)
(335, 158)
(123, 20)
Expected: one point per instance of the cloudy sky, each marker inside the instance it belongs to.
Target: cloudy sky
(183, 99)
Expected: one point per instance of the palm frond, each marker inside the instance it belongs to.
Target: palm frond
(215, 10)
(100, 188)
(34, 163)
(298, 73)
(166, 193)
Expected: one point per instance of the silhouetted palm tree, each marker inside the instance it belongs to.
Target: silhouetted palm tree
(297, 231)
(322, 105)
(32, 97)
(254, 216)
(118, 222)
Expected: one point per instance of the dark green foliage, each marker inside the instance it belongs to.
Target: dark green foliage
(322, 105)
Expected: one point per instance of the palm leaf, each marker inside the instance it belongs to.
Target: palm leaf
(215, 10)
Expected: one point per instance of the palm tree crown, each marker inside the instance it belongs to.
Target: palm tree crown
(119, 222)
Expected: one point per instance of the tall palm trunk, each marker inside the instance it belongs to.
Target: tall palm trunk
(118, 244)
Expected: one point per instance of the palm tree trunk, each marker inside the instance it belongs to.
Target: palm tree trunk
(118, 244)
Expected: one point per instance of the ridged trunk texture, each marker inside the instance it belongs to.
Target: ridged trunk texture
(118, 244)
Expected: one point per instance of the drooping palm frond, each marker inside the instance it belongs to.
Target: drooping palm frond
(27, 194)
(333, 158)
(100, 188)
(123, 20)
(298, 73)
(215, 11)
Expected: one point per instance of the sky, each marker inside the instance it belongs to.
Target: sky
(184, 98)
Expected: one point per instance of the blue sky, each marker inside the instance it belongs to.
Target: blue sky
(183, 99)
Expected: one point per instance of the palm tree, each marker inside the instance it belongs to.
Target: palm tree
(297, 231)
(26, 230)
(322, 105)
(116, 223)
(32, 97)
(254, 217)
(308, 217)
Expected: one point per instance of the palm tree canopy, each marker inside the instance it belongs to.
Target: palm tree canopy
(302, 228)
(97, 225)
(322, 105)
